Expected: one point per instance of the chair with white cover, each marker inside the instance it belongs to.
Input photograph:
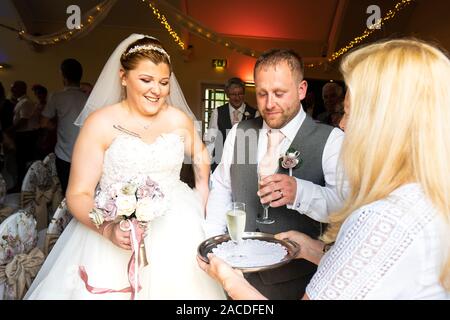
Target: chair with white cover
(60, 220)
(50, 163)
(38, 191)
(20, 260)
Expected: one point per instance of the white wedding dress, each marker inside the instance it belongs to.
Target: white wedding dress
(171, 243)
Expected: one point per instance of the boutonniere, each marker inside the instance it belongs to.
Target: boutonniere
(291, 160)
(246, 115)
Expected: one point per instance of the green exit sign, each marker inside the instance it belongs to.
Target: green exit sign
(219, 63)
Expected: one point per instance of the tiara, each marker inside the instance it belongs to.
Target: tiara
(147, 47)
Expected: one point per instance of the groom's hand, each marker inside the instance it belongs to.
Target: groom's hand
(278, 189)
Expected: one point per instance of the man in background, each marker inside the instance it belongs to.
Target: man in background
(65, 106)
(226, 116)
(332, 95)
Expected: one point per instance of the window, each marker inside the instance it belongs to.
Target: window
(213, 96)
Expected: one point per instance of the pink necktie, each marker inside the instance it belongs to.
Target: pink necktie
(235, 116)
(269, 162)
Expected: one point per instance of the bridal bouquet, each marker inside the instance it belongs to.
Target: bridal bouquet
(140, 199)
(133, 204)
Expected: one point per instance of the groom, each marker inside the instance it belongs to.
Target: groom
(298, 202)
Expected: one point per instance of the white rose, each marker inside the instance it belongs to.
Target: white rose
(148, 209)
(126, 205)
(129, 189)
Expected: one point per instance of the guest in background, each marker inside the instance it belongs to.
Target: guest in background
(332, 95)
(6, 109)
(40, 92)
(65, 106)
(309, 103)
(226, 116)
(24, 128)
(337, 114)
(47, 136)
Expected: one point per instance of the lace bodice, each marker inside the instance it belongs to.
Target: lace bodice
(390, 249)
(129, 157)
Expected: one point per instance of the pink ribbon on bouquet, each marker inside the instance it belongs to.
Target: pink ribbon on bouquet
(133, 265)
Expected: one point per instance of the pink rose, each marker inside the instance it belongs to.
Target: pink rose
(289, 163)
(145, 191)
(110, 210)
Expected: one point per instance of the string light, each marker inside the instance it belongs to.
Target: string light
(367, 32)
(201, 31)
(166, 25)
(66, 34)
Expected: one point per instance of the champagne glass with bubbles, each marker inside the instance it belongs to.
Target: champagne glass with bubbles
(236, 221)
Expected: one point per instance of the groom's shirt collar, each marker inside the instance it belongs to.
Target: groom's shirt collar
(291, 128)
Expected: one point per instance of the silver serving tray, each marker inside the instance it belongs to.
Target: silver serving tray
(209, 244)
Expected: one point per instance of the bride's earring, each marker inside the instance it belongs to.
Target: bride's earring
(123, 92)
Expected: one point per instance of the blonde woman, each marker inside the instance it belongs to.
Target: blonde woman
(391, 237)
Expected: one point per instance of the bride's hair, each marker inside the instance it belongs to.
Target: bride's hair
(144, 48)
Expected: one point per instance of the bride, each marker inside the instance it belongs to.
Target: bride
(142, 128)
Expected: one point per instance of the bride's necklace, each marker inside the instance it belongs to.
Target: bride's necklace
(146, 126)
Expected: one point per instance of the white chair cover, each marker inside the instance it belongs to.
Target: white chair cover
(18, 237)
(38, 190)
(50, 162)
(37, 175)
(60, 220)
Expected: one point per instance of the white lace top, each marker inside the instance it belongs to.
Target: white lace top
(390, 249)
(129, 156)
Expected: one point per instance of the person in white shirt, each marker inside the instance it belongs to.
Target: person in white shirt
(299, 201)
(224, 117)
(390, 239)
(65, 106)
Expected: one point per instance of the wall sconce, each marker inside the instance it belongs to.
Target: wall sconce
(219, 64)
(4, 66)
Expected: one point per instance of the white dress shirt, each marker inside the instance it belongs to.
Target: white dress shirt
(211, 134)
(65, 105)
(315, 201)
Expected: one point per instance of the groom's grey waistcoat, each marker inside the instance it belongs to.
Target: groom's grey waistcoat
(310, 141)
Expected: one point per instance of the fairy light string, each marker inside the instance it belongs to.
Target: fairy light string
(187, 22)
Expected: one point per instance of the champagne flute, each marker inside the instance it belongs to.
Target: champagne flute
(265, 217)
(236, 221)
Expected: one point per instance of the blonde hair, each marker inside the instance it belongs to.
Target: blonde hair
(397, 129)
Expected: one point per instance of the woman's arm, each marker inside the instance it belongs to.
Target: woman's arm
(196, 149)
(310, 249)
(86, 169)
(232, 280)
